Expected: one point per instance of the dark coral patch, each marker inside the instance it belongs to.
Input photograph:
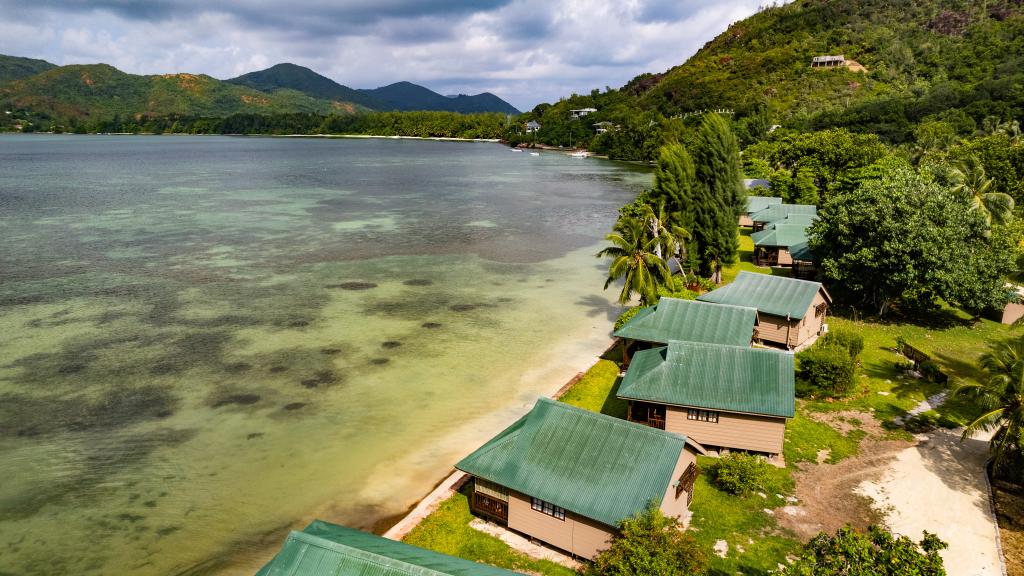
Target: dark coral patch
(391, 344)
(353, 285)
(463, 307)
(330, 351)
(239, 399)
(380, 361)
(294, 405)
(278, 369)
(321, 378)
(431, 325)
(418, 282)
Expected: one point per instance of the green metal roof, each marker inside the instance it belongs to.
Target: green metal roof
(692, 321)
(758, 203)
(731, 378)
(805, 219)
(780, 235)
(801, 252)
(778, 212)
(776, 295)
(597, 466)
(324, 549)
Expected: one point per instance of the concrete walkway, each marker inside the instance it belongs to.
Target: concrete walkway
(522, 544)
(939, 485)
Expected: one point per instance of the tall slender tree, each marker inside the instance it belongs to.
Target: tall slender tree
(674, 185)
(720, 197)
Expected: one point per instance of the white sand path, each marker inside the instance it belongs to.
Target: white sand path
(939, 485)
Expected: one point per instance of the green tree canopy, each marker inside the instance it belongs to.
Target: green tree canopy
(634, 261)
(720, 197)
(905, 239)
(650, 544)
(877, 553)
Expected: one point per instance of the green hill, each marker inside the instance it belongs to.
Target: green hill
(405, 96)
(98, 92)
(957, 63)
(15, 68)
(294, 77)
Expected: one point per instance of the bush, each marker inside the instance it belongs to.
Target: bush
(878, 553)
(627, 316)
(825, 370)
(848, 339)
(740, 473)
(650, 544)
(931, 372)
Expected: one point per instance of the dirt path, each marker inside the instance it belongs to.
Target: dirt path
(939, 485)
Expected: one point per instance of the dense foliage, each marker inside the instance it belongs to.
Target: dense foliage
(849, 339)
(826, 370)
(904, 239)
(649, 544)
(1001, 395)
(877, 553)
(740, 473)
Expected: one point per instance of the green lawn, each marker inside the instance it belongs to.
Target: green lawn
(746, 261)
(596, 390)
(447, 530)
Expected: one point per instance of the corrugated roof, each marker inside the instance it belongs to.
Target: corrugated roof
(787, 297)
(801, 252)
(758, 203)
(778, 212)
(597, 466)
(781, 235)
(731, 378)
(805, 219)
(328, 549)
(692, 321)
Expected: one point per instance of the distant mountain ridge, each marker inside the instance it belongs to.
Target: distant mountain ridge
(402, 96)
(74, 93)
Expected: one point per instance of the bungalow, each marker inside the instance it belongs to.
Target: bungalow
(776, 212)
(568, 476)
(602, 127)
(773, 245)
(828, 61)
(581, 112)
(688, 321)
(325, 548)
(756, 204)
(532, 126)
(790, 312)
(804, 263)
(723, 397)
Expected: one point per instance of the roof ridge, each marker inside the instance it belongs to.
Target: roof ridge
(702, 303)
(642, 428)
(770, 278)
(365, 555)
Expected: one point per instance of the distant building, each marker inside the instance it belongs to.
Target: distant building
(828, 61)
(602, 127)
(756, 204)
(532, 126)
(580, 113)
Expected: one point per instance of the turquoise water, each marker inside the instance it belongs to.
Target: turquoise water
(207, 341)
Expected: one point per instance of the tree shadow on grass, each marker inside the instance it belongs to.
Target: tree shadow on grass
(613, 405)
(942, 319)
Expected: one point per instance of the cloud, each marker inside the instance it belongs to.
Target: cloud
(526, 51)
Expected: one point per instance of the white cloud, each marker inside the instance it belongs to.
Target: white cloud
(526, 51)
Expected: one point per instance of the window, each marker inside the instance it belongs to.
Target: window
(702, 415)
(547, 508)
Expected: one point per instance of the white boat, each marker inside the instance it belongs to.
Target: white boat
(580, 154)
(534, 153)
(517, 149)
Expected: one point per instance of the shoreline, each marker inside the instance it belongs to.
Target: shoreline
(454, 481)
(326, 136)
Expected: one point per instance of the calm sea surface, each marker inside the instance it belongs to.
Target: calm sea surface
(206, 341)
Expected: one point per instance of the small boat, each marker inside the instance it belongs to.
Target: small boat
(534, 153)
(579, 154)
(517, 149)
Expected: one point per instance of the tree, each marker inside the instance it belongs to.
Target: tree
(720, 198)
(650, 544)
(877, 553)
(904, 239)
(970, 180)
(1001, 395)
(634, 260)
(671, 238)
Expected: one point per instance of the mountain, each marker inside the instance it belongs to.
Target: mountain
(14, 67)
(100, 91)
(295, 77)
(408, 96)
(403, 96)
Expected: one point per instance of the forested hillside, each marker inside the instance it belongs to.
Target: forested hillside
(15, 68)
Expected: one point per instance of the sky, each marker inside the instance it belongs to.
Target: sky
(526, 51)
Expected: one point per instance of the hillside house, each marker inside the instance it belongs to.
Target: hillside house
(828, 61)
(568, 476)
(689, 321)
(756, 204)
(775, 212)
(581, 112)
(532, 126)
(790, 312)
(602, 127)
(723, 397)
(324, 548)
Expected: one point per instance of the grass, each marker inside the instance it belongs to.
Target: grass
(746, 261)
(447, 530)
(596, 390)
(756, 544)
(805, 438)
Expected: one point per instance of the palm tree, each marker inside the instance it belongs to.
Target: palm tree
(671, 237)
(1001, 395)
(969, 179)
(634, 259)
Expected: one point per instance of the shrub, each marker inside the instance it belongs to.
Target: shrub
(931, 372)
(627, 316)
(650, 544)
(848, 339)
(825, 370)
(878, 553)
(740, 473)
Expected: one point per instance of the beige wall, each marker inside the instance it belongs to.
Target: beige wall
(784, 258)
(736, 431)
(791, 333)
(671, 505)
(745, 220)
(576, 534)
(1012, 313)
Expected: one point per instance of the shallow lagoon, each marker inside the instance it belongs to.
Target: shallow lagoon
(205, 341)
